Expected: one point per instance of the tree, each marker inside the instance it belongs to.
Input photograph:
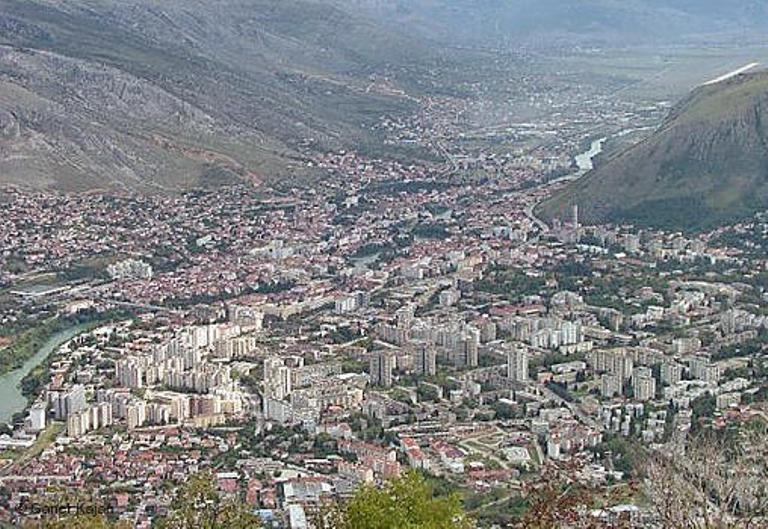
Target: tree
(198, 504)
(61, 508)
(504, 410)
(407, 502)
(712, 482)
(77, 522)
(561, 499)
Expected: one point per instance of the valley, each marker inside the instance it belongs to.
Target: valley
(374, 264)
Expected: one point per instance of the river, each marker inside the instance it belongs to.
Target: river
(584, 161)
(11, 399)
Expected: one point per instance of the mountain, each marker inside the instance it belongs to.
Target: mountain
(707, 164)
(168, 94)
(569, 22)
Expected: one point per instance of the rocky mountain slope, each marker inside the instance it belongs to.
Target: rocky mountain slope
(169, 94)
(708, 163)
(166, 94)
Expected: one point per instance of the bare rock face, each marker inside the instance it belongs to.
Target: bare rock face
(9, 126)
(708, 163)
(59, 114)
(157, 96)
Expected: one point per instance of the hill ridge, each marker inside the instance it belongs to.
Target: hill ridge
(707, 163)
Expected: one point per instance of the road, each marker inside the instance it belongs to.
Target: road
(577, 412)
(142, 306)
(536, 220)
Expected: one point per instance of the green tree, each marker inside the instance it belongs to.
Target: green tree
(407, 502)
(62, 508)
(77, 522)
(198, 504)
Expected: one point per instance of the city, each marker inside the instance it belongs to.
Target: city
(380, 317)
(438, 328)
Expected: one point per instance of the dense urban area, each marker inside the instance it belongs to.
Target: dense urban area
(298, 343)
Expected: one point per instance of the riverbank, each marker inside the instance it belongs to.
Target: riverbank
(25, 346)
(17, 350)
(13, 399)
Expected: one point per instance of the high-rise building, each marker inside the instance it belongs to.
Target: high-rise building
(642, 371)
(130, 269)
(381, 365)
(37, 416)
(425, 359)
(129, 374)
(623, 365)
(644, 387)
(405, 315)
(487, 330)
(77, 424)
(517, 364)
(450, 297)
(66, 403)
(704, 370)
(671, 373)
(554, 446)
(618, 362)
(283, 382)
(610, 385)
(248, 318)
(136, 414)
(344, 304)
(104, 414)
(277, 378)
(466, 347)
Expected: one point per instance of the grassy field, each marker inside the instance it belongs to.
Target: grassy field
(45, 439)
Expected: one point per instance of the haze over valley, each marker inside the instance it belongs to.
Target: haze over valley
(164, 96)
